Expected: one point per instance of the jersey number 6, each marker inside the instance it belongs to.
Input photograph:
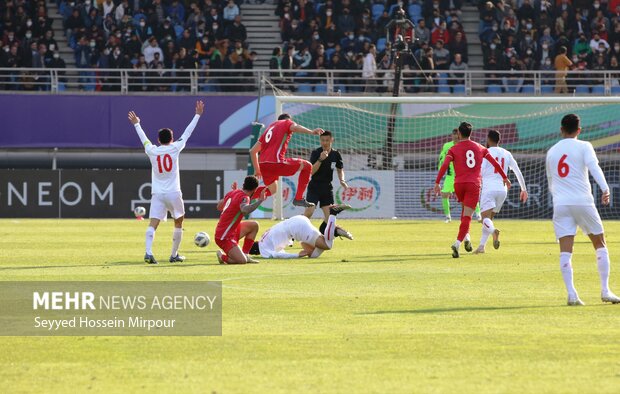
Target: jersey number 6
(268, 135)
(471, 159)
(563, 168)
(167, 163)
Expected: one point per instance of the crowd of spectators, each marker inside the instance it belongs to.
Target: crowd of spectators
(129, 34)
(560, 35)
(340, 35)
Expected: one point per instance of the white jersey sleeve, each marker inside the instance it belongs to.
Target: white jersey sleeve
(567, 167)
(180, 143)
(515, 168)
(148, 146)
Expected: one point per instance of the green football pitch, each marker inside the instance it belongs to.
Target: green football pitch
(388, 312)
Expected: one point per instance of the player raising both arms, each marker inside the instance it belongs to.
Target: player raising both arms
(165, 182)
(268, 157)
(230, 229)
(568, 162)
(467, 156)
(494, 191)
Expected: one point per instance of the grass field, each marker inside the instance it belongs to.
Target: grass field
(388, 312)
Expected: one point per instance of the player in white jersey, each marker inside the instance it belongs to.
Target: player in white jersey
(494, 191)
(165, 182)
(299, 228)
(568, 163)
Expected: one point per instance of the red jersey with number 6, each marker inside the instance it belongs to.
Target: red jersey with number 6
(274, 141)
(467, 157)
(231, 215)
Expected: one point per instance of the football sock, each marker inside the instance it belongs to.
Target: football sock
(322, 227)
(177, 236)
(330, 230)
(150, 235)
(225, 258)
(567, 273)
(487, 229)
(464, 227)
(247, 244)
(457, 243)
(445, 202)
(302, 182)
(602, 260)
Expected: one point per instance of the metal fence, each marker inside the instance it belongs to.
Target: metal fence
(320, 82)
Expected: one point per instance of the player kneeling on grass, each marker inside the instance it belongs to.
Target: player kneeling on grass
(568, 162)
(276, 239)
(165, 182)
(494, 191)
(230, 229)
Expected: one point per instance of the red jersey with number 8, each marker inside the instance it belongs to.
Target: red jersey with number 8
(274, 141)
(467, 157)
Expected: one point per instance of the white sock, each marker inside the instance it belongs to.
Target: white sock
(487, 229)
(467, 237)
(330, 229)
(177, 236)
(150, 235)
(602, 260)
(567, 273)
(457, 243)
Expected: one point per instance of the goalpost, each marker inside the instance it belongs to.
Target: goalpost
(393, 161)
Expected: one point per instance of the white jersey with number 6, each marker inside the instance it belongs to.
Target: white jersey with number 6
(165, 160)
(568, 162)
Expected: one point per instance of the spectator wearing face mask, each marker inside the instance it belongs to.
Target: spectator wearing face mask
(596, 41)
(150, 49)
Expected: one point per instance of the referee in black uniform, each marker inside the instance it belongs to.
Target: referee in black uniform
(324, 160)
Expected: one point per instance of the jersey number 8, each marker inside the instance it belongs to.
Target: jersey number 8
(471, 159)
(167, 163)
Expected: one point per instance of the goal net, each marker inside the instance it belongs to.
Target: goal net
(391, 147)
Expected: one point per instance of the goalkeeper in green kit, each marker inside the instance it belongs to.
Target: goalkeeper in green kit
(448, 184)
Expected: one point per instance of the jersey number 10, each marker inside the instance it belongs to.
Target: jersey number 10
(165, 164)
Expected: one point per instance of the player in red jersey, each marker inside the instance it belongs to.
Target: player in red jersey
(271, 163)
(230, 229)
(467, 156)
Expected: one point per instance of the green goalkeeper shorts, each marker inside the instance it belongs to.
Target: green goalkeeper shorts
(448, 185)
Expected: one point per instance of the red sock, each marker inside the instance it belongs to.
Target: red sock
(259, 190)
(302, 182)
(225, 258)
(247, 244)
(464, 227)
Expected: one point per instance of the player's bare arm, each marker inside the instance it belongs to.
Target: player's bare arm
(254, 157)
(249, 208)
(296, 128)
(341, 177)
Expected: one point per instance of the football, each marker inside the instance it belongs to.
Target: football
(139, 211)
(201, 239)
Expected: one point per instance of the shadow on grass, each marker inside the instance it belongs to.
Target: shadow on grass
(461, 309)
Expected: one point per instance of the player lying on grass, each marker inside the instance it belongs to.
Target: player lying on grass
(230, 228)
(165, 182)
(276, 239)
(270, 163)
(467, 156)
(567, 166)
(494, 191)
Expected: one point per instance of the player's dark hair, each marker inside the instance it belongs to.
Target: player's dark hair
(250, 183)
(570, 123)
(255, 249)
(165, 136)
(454, 131)
(494, 136)
(284, 117)
(465, 129)
(327, 133)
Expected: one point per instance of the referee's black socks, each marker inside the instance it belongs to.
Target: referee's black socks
(322, 227)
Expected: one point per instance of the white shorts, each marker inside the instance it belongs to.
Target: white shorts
(162, 203)
(566, 218)
(492, 199)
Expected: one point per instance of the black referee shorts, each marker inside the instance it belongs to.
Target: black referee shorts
(322, 193)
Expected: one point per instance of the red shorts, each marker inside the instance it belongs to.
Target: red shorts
(468, 193)
(229, 242)
(272, 171)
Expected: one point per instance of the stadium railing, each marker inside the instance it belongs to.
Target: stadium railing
(305, 82)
